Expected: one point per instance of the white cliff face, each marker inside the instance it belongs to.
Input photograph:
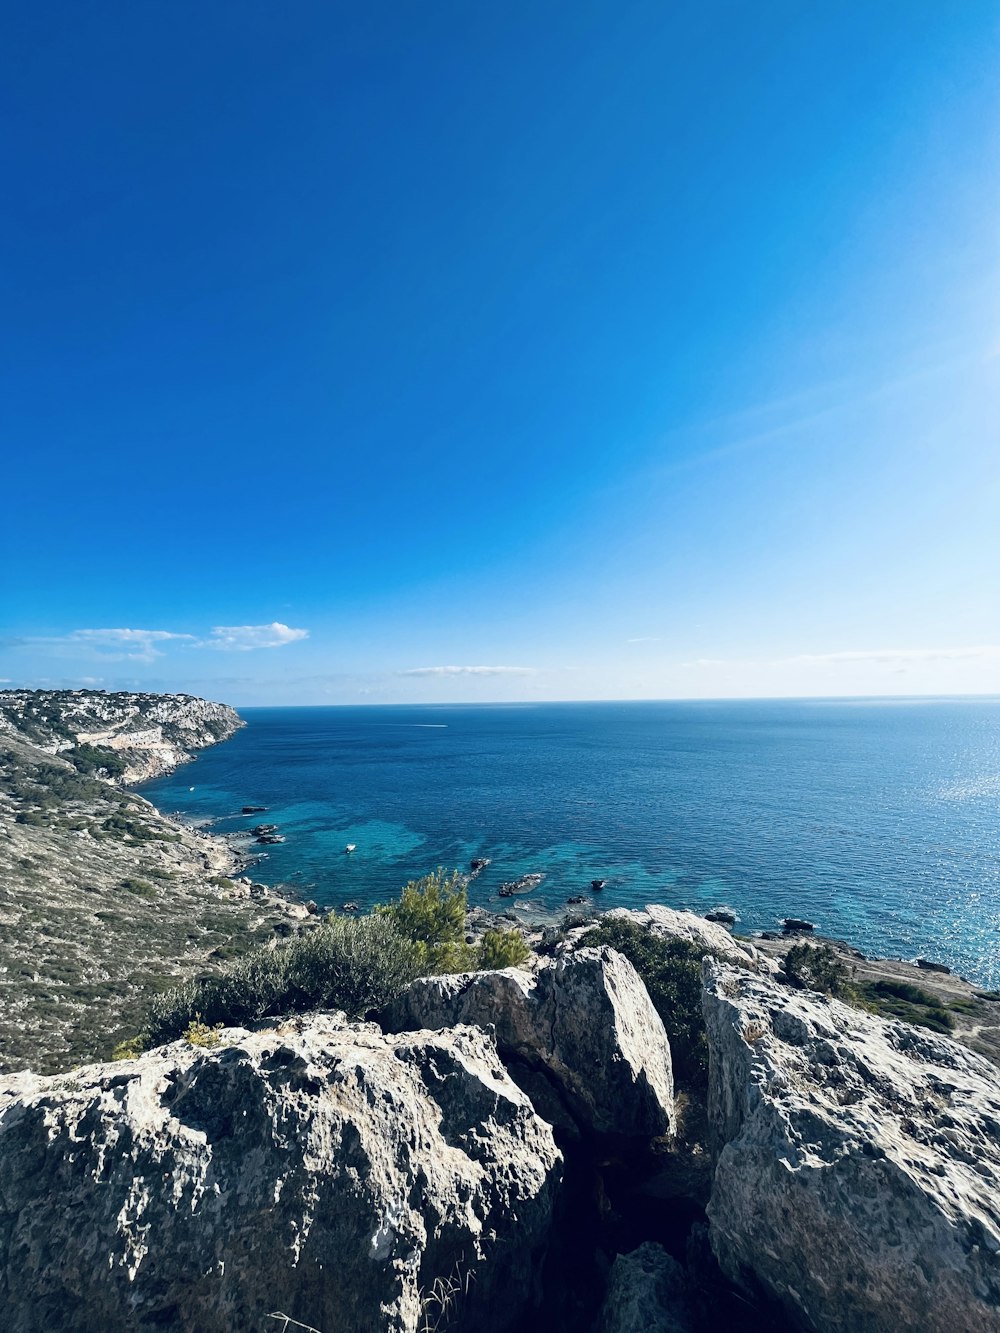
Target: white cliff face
(580, 1034)
(154, 733)
(858, 1162)
(320, 1169)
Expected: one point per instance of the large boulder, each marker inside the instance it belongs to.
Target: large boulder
(348, 1179)
(859, 1162)
(580, 1035)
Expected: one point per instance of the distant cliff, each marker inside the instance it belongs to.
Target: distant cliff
(125, 736)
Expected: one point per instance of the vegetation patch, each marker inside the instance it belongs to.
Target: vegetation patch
(671, 971)
(356, 964)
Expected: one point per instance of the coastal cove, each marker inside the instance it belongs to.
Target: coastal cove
(878, 820)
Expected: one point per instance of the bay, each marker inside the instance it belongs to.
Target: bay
(879, 820)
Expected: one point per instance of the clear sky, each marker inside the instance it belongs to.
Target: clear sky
(458, 351)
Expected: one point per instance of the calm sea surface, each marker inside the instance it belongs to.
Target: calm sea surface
(879, 821)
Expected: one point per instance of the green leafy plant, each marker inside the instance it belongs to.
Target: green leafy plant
(354, 964)
(502, 948)
(200, 1034)
(817, 967)
(431, 914)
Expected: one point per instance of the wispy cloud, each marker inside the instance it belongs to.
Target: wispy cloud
(139, 645)
(896, 655)
(645, 638)
(887, 656)
(242, 638)
(146, 645)
(469, 671)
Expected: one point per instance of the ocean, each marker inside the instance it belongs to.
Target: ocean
(879, 820)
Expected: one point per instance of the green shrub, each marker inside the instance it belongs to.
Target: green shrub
(817, 967)
(129, 1049)
(94, 759)
(502, 948)
(354, 964)
(902, 999)
(140, 887)
(431, 909)
(671, 972)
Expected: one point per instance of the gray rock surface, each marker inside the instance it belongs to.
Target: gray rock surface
(580, 1034)
(859, 1162)
(321, 1169)
(646, 1294)
(668, 922)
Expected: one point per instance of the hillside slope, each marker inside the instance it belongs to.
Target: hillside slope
(101, 897)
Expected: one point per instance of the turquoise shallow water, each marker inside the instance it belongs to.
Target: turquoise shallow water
(879, 820)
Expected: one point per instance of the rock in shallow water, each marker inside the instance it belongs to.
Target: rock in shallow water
(859, 1162)
(580, 1034)
(321, 1169)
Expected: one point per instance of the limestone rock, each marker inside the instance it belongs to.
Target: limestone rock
(580, 1035)
(859, 1162)
(321, 1169)
(668, 922)
(646, 1294)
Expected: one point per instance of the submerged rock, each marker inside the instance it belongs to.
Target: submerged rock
(580, 1035)
(321, 1169)
(858, 1162)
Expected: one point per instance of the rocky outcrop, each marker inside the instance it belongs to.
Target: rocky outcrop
(858, 1162)
(151, 734)
(580, 1035)
(667, 922)
(350, 1180)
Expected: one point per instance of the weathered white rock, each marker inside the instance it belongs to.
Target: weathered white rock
(646, 1294)
(580, 1034)
(667, 922)
(321, 1169)
(859, 1179)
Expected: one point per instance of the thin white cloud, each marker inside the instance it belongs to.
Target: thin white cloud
(469, 671)
(646, 638)
(886, 656)
(139, 645)
(146, 645)
(243, 638)
(896, 655)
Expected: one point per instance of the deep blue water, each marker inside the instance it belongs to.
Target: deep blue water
(878, 820)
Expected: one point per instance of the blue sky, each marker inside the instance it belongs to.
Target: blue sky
(448, 351)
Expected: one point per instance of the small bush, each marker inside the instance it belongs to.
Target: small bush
(502, 948)
(200, 1034)
(671, 972)
(354, 964)
(130, 1048)
(817, 967)
(901, 999)
(140, 887)
(96, 759)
